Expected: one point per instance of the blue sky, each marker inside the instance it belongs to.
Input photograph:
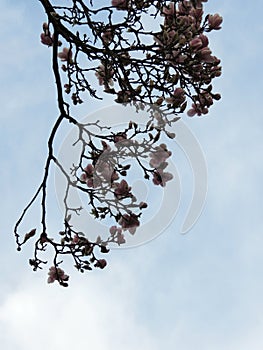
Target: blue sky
(202, 290)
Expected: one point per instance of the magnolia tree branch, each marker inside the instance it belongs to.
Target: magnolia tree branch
(162, 67)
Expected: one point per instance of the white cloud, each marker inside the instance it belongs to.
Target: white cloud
(132, 306)
(98, 312)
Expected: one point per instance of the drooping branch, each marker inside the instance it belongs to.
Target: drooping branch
(164, 66)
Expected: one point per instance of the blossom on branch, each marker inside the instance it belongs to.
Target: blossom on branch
(160, 177)
(88, 176)
(159, 156)
(46, 39)
(104, 75)
(178, 97)
(101, 263)
(117, 232)
(57, 274)
(122, 190)
(129, 222)
(66, 55)
(197, 109)
(215, 21)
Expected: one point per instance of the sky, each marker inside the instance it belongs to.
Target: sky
(201, 290)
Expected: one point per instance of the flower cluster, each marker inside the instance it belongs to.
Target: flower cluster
(177, 99)
(185, 44)
(129, 222)
(103, 176)
(104, 75)
(116, 234)
(122, 189)
(45, 36)
(57, 274)
(158, 161)
(101, 263)
(175, 69)
(103, 173)
(66, 55)
(215, 21)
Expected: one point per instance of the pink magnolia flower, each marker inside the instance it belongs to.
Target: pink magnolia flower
(106, 171)
(178, 93)
(205, 99)
(197, 109)
(214, 21)
(204, 40)
(104, 75)
(66, 55)
(120, 4)
(56, 274)
(120, 238)
(46, 39)
(178, 97)
(114, 229)
(89, 177)
(129, 222)
(89, 170)
(88, 173)
(159, 156)
(205, 55)
(196, 43)
(122, 190)
(160, 177)
(101, 263)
